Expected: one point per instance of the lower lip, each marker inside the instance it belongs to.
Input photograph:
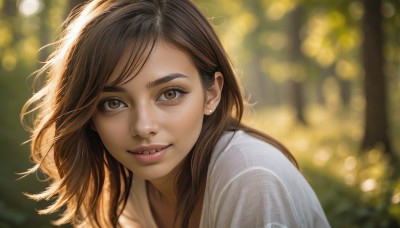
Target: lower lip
(150, 158)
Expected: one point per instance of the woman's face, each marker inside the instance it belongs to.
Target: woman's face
(151, 123)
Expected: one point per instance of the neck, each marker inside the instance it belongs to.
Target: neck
(163, 201)
(163, 190)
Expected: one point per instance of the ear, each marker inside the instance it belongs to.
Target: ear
(213, 94)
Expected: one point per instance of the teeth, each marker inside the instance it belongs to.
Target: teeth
(149, 151)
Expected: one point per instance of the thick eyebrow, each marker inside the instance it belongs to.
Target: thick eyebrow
(165, 79)
(152, 84)
(113, 89)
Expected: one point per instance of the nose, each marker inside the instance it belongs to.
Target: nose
(144, 124)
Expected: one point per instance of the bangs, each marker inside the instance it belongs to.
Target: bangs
(119, 42)
(131, 61)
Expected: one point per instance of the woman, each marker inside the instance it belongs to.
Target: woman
(139, 125)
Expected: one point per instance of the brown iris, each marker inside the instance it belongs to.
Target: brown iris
(170, 95)
(114, 104)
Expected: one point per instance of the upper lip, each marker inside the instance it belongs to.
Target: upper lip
(151, 147)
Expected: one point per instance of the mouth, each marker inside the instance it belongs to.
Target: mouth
(148, 149)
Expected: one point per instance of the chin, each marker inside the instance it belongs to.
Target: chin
(152, 173)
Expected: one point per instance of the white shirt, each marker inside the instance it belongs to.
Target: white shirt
(250, 183)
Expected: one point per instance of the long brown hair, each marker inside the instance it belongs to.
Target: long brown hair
(64, 145)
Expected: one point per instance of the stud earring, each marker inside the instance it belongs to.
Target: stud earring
(210, 110)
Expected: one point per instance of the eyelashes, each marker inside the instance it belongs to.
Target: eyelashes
(110, 105)
(170, 96)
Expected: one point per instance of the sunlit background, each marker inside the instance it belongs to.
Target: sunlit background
(301, 65)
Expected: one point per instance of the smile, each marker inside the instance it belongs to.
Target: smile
(148, 149)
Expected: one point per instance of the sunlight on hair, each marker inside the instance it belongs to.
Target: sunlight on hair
(368, 185)
(29, 7)
(74, 30)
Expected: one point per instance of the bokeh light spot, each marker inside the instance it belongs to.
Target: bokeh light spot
(9, 60)
(356, 10)
(350, 162)
(368, 185)
(29, 7)
(349, 179)
(388, 9)
(396, 198)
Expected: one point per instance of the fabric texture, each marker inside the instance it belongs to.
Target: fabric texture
(250, 183)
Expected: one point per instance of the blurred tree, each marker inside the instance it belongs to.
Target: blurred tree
(258, 83)
(376, 121)
(297, 60)
(10, 8)
(45, 31)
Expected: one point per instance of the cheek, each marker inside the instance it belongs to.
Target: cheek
(186, 122)
(111, 131)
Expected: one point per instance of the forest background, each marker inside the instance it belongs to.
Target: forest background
(323, 77)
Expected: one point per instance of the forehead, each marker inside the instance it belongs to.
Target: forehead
(161, 59)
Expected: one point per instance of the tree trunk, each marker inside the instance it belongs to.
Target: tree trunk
(297, 59)
(345, 91)
(260, 93)
(376, 122)
(322, 76)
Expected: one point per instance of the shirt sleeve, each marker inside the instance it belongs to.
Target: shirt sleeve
(255, 198)
(252, 184)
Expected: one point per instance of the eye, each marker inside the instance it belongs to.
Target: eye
(111, 105)
(172, 95)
